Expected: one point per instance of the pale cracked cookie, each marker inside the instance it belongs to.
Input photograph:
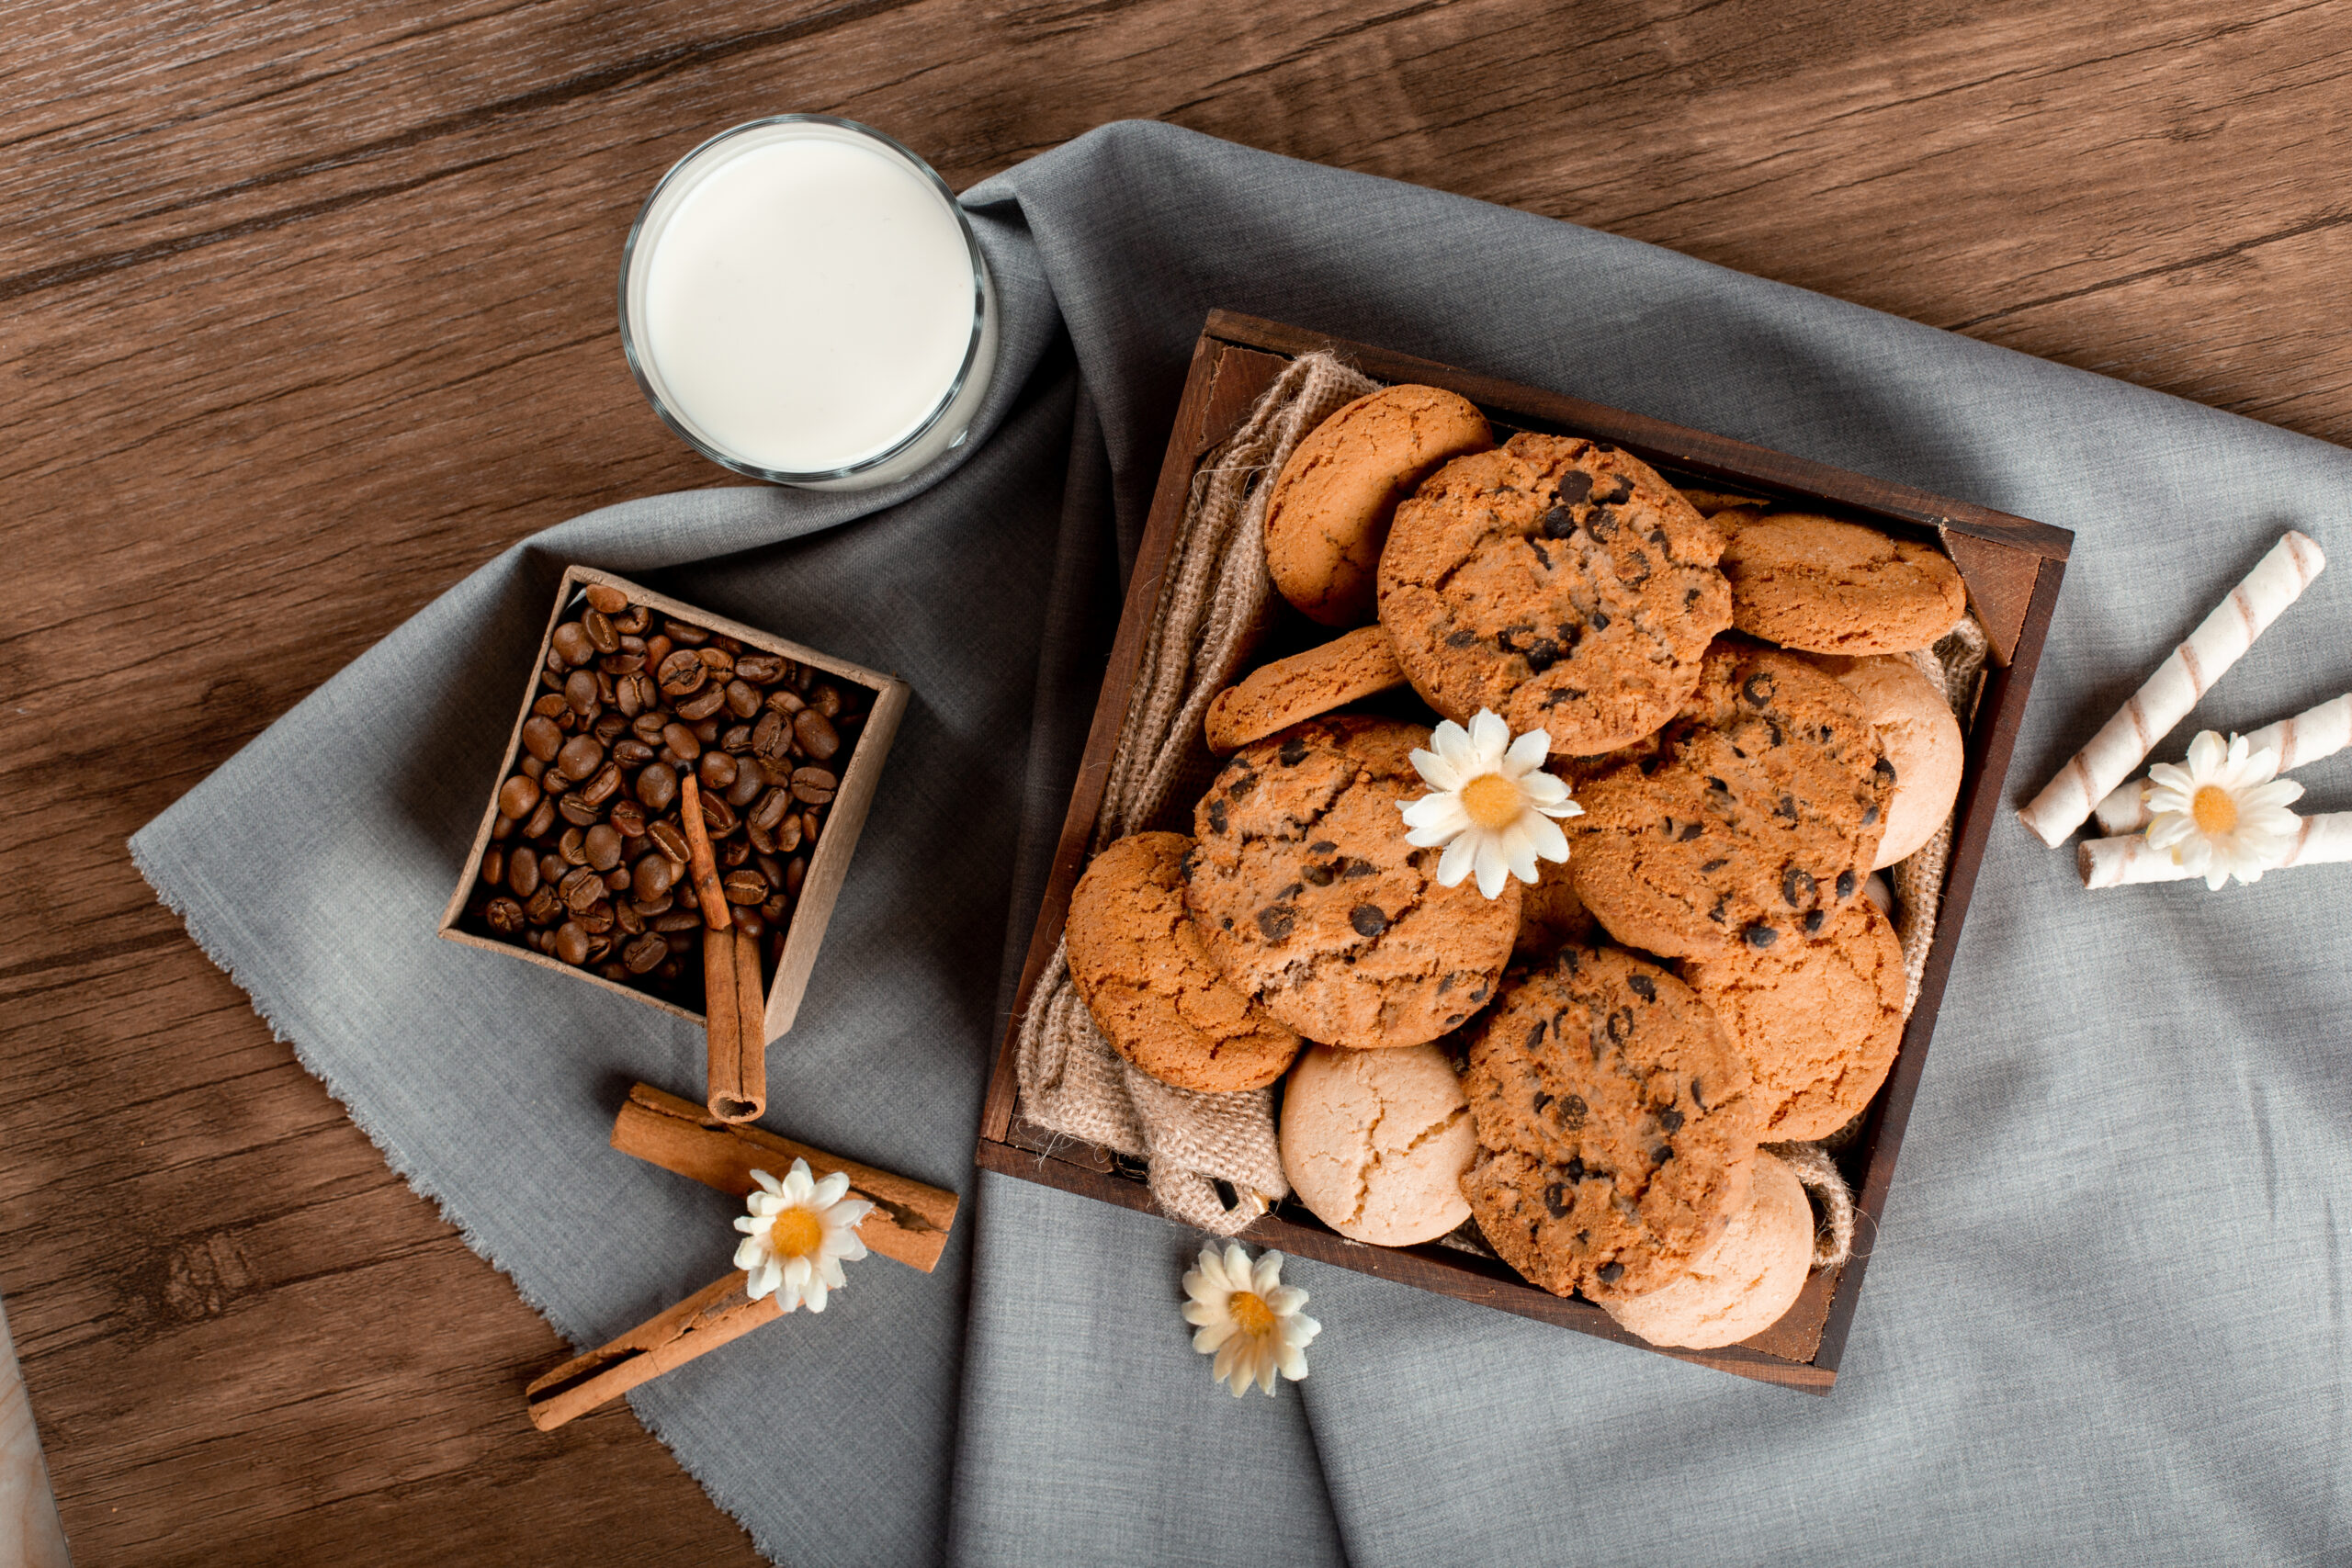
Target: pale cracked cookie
(1922, 741)
(1754, 815)
(1313, 904)
(1560, 583)
(1744, 1281)
(1376, 1142)
(1814, 582)
(1331, 510)
(1277, 695)
(1615, 1126)
(1819, 1017)
(1139, 967)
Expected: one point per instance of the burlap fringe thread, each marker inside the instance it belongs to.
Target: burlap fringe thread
(1212, 607)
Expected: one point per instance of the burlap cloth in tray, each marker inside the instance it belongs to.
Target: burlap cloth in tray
(1214, 605)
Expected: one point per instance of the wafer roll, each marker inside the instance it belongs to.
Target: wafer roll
(2125, 740)
(2120, 862)
(2314, 733)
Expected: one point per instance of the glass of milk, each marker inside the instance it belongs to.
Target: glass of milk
(802, 299)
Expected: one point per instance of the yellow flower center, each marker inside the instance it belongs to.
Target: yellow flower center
(2214, 811)
(1492, 801)
(1250, 1314)
(797, 1234)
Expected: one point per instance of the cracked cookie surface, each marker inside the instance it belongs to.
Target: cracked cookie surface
(1819, 1018)
(1331, 507)
(1816, 584)
(1615, 1124)
(1559, 582)
(1138, 965)
(1376, 1142)
(1312, 904)
(1750, 818)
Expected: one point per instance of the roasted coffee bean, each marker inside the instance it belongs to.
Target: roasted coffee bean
(653, 877)
(669, 839)
(601, 847)
(579, 888)
(550, 706)
(602, 634)
(570, 643)
(769, 814)
(650, 908)
(503, 827)
(633, 752)
(657, 648)
(609, 728)
(676, 920)
(795, 872)
(772, 737)
(749, 922)
(730, 854)
(618, 879)
(785, 702)
(657, 786)
(718, 815)
(745, 887)
(580, 692)
(716, 770)
(543, 907)
(552, 781)
(604, 689)
(604, 596)
(759, 669)
(518, 795)
(825, 699)
(815, 734)
(627, 920)
(580, 757)
(719, 661)
(572, 942)
(603, 786)
(541, 739)
(681, 674)
(687, 635)
(746, 787)
(523, 873)
(644, 952)
(682, 741)
(541, 821)
(531, 767)
(504, 916)
(578, 811)
(811, 820)
(493, 865)
(776, 908)
(771, 868)
(737, 740)
(813, 786)
(707, 731)
(573, 846)
(742, 700)
(703, 704)
(628, 818)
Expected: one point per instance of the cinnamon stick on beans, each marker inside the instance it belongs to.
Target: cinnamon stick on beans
(702, 866)
(735, 1015)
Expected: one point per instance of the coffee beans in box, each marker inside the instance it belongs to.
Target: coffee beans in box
(584, 860)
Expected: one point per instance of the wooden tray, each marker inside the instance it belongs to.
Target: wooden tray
(2012, 568)
(827, 868)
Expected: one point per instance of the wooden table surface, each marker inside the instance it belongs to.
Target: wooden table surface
(308, 313)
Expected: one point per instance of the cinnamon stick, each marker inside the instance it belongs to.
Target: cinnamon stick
(735, 1074)
(702, 866)
(909, 1222)
(710, 1317)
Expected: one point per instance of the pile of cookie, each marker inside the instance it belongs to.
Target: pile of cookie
(1585, 1058)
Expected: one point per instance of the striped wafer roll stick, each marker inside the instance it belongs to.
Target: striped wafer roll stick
(2314, 733)
(2120, 862)
(2125, 740)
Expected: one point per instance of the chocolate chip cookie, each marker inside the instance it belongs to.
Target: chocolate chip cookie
(1138, 965)
(1277, 695)
(1816, 584)
(1615, 1125)
(1310, 901)
(1560, 583)
(1755, 816)
(1818, 1016)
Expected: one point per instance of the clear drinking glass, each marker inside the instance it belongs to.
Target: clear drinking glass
(804, 302)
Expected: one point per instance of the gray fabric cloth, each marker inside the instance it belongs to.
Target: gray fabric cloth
(2106, 1317)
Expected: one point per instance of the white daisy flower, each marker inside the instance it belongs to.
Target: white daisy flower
(1493, 803)
(798, 1235)
(1247, 1318)
(2225, 814)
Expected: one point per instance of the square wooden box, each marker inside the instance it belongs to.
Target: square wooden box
(827, 868)
(2012, 569)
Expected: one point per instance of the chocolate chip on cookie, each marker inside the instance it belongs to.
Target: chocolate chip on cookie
(1560, 583)
(1312, 904)
(1615, 1126)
